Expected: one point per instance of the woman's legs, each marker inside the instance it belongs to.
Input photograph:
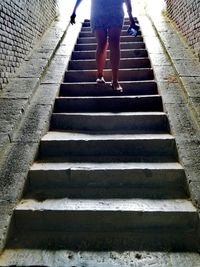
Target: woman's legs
(101, 36)
(114, 43)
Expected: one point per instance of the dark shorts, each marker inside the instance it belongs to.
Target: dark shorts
(107, 22)
(106, 14)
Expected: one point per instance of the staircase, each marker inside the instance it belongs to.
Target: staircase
(107, 175)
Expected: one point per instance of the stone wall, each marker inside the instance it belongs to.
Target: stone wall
(22, 23)
(186, 16)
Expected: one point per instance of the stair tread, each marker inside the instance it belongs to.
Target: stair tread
(122, 59)
(129, 205)
(127, 38)
(122, 50)
(58, 135)
(108, 70)
(175, 205)
(145, 87)
(106, 166)
(111, 97)
(94, 82)
(121, 114)
(139, 42)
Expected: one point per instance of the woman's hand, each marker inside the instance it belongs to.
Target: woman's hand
(72, 18)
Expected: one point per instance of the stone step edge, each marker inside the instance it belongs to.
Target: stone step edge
(109, 70)
(113, 97)
(126, 205)
(122, 82)
(111, 114)
(68, 136)
(122, 50)
(48, 166)
(107, 60)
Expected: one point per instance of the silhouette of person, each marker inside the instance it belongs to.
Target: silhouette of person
(106, 22)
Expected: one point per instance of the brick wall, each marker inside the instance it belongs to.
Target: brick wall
(186, 15)
(22, 23)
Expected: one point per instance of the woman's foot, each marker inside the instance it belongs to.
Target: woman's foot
(116, 87)
(100, 80)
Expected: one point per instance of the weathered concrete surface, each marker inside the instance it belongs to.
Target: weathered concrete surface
(25, 108)
(98, 259)
(186, 65)
(178, 76)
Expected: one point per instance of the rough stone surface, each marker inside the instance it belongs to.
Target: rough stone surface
(186, 16)
(180, 97)
(35, 125)
(25, 107)
(186, 65)
(22, 24)
(99, 259)
(20, 88)
(11, 112)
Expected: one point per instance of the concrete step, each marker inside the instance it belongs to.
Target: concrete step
(86, 23)
(133, 45)
(91, 34)
(82, 147)
(114, 104)
(105, 224)
(127, 63)
(125, 53)
(139, 122)
(124, 28)
(93, 89)
(89, 29)
(92, 40)
(108, 180)
(69, 258)
(124, 75)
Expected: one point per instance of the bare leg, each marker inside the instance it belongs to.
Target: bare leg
(114, 43)
(101, 36)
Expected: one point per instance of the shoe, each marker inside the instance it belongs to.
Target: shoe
(116, 87)
(100, 80)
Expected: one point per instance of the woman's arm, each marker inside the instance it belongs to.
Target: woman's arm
(72, 18)
(129, 10)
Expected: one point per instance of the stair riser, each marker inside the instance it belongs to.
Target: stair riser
(86, 150)
(150, 103)
(124, 64)
(136, 53)
(92, 89)
(115, 193)
(108, 178)
(86, 24)
(87, 28)
(117, 124)
(86, 47)
(91, 34)
(124, 75)
(124, 28)
(103, 221)
(74, 183)
(92, 40)
(135, 241)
